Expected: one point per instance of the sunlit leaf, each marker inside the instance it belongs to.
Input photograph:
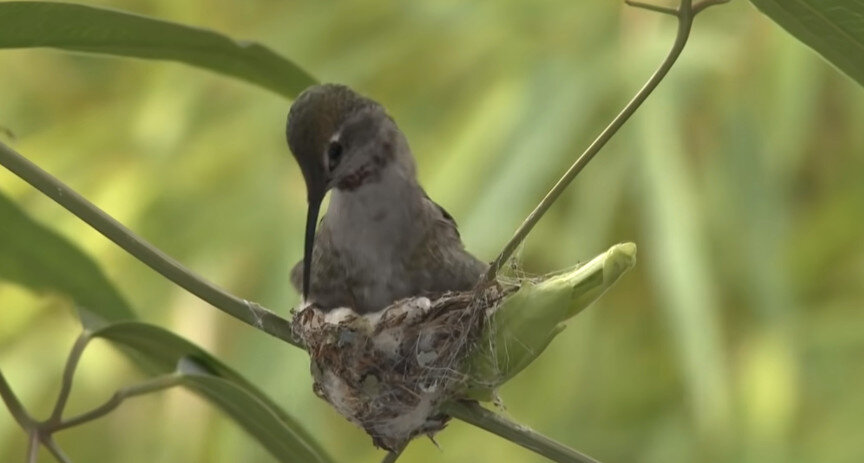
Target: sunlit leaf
(40, 259)
(834, 28)
(99, 30)
(162, 351)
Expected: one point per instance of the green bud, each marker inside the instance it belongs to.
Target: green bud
(526, 322)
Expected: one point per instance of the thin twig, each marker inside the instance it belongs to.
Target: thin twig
(55, 449)
(652, 7)
(473, 413)
(40, 432)
(14, 405)
(698, 7)
(68, 375)
(394, 455)
(153, 385)
(685, 14)
(33, 446)
(246, 311)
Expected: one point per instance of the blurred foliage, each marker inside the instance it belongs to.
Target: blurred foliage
(86, 28)
(736, 339)
(35, 257)
(834, 29)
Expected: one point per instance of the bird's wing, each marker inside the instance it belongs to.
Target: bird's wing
(297, 276)
(444, 214)
(447, 265)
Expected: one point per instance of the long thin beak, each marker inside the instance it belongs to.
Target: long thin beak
(311, 223)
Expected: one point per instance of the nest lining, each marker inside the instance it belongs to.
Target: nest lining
(389, 371)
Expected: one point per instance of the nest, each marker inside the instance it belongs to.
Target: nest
(389, 371)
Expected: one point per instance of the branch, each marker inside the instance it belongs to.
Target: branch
(394, 455)
(685, 13)
(41, 432)
(156, 384)
(14, 405)
(246, 311)
(652, 7)
(473, 413)
(33, 446)
(55, 449)
(68, 374)
(697, 8)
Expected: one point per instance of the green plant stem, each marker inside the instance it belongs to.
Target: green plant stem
(685, 14)
(55, 449)
(156, 384)
(68, 375)
(473, 413)
(36, 432)
(698, 7)
(41, 432)
(246, 311)
(33, 446)
(14, 405)
(394, 455)
(652, 7)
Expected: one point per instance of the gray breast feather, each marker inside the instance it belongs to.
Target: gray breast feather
(434, 263)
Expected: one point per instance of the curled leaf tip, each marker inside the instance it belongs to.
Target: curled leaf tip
(619, 259)
(526, 322)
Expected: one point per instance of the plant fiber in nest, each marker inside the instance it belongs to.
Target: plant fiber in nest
(389, 371)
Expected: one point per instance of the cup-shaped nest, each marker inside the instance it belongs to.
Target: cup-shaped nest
(389, 371)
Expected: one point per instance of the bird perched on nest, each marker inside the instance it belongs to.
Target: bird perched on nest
(382, 238)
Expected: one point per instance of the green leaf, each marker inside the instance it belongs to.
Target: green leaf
(834, 28)
(162, 351)
(521, 329)
(40, 259)
(99, 30)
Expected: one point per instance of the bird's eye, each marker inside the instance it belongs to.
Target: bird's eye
(334, 154)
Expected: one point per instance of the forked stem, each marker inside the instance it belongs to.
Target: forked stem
(55, 449)
(685, 13)
(653, 7)
(698, 7)
(156, 384)
(40, 433)
(68, 375)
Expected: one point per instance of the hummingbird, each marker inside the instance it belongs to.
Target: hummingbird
(382, 238)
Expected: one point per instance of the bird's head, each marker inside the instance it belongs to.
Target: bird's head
(340, 140)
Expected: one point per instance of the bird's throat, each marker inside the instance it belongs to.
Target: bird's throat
(360, 177)
(383, 205)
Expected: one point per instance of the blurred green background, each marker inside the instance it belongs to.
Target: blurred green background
(739, 337)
